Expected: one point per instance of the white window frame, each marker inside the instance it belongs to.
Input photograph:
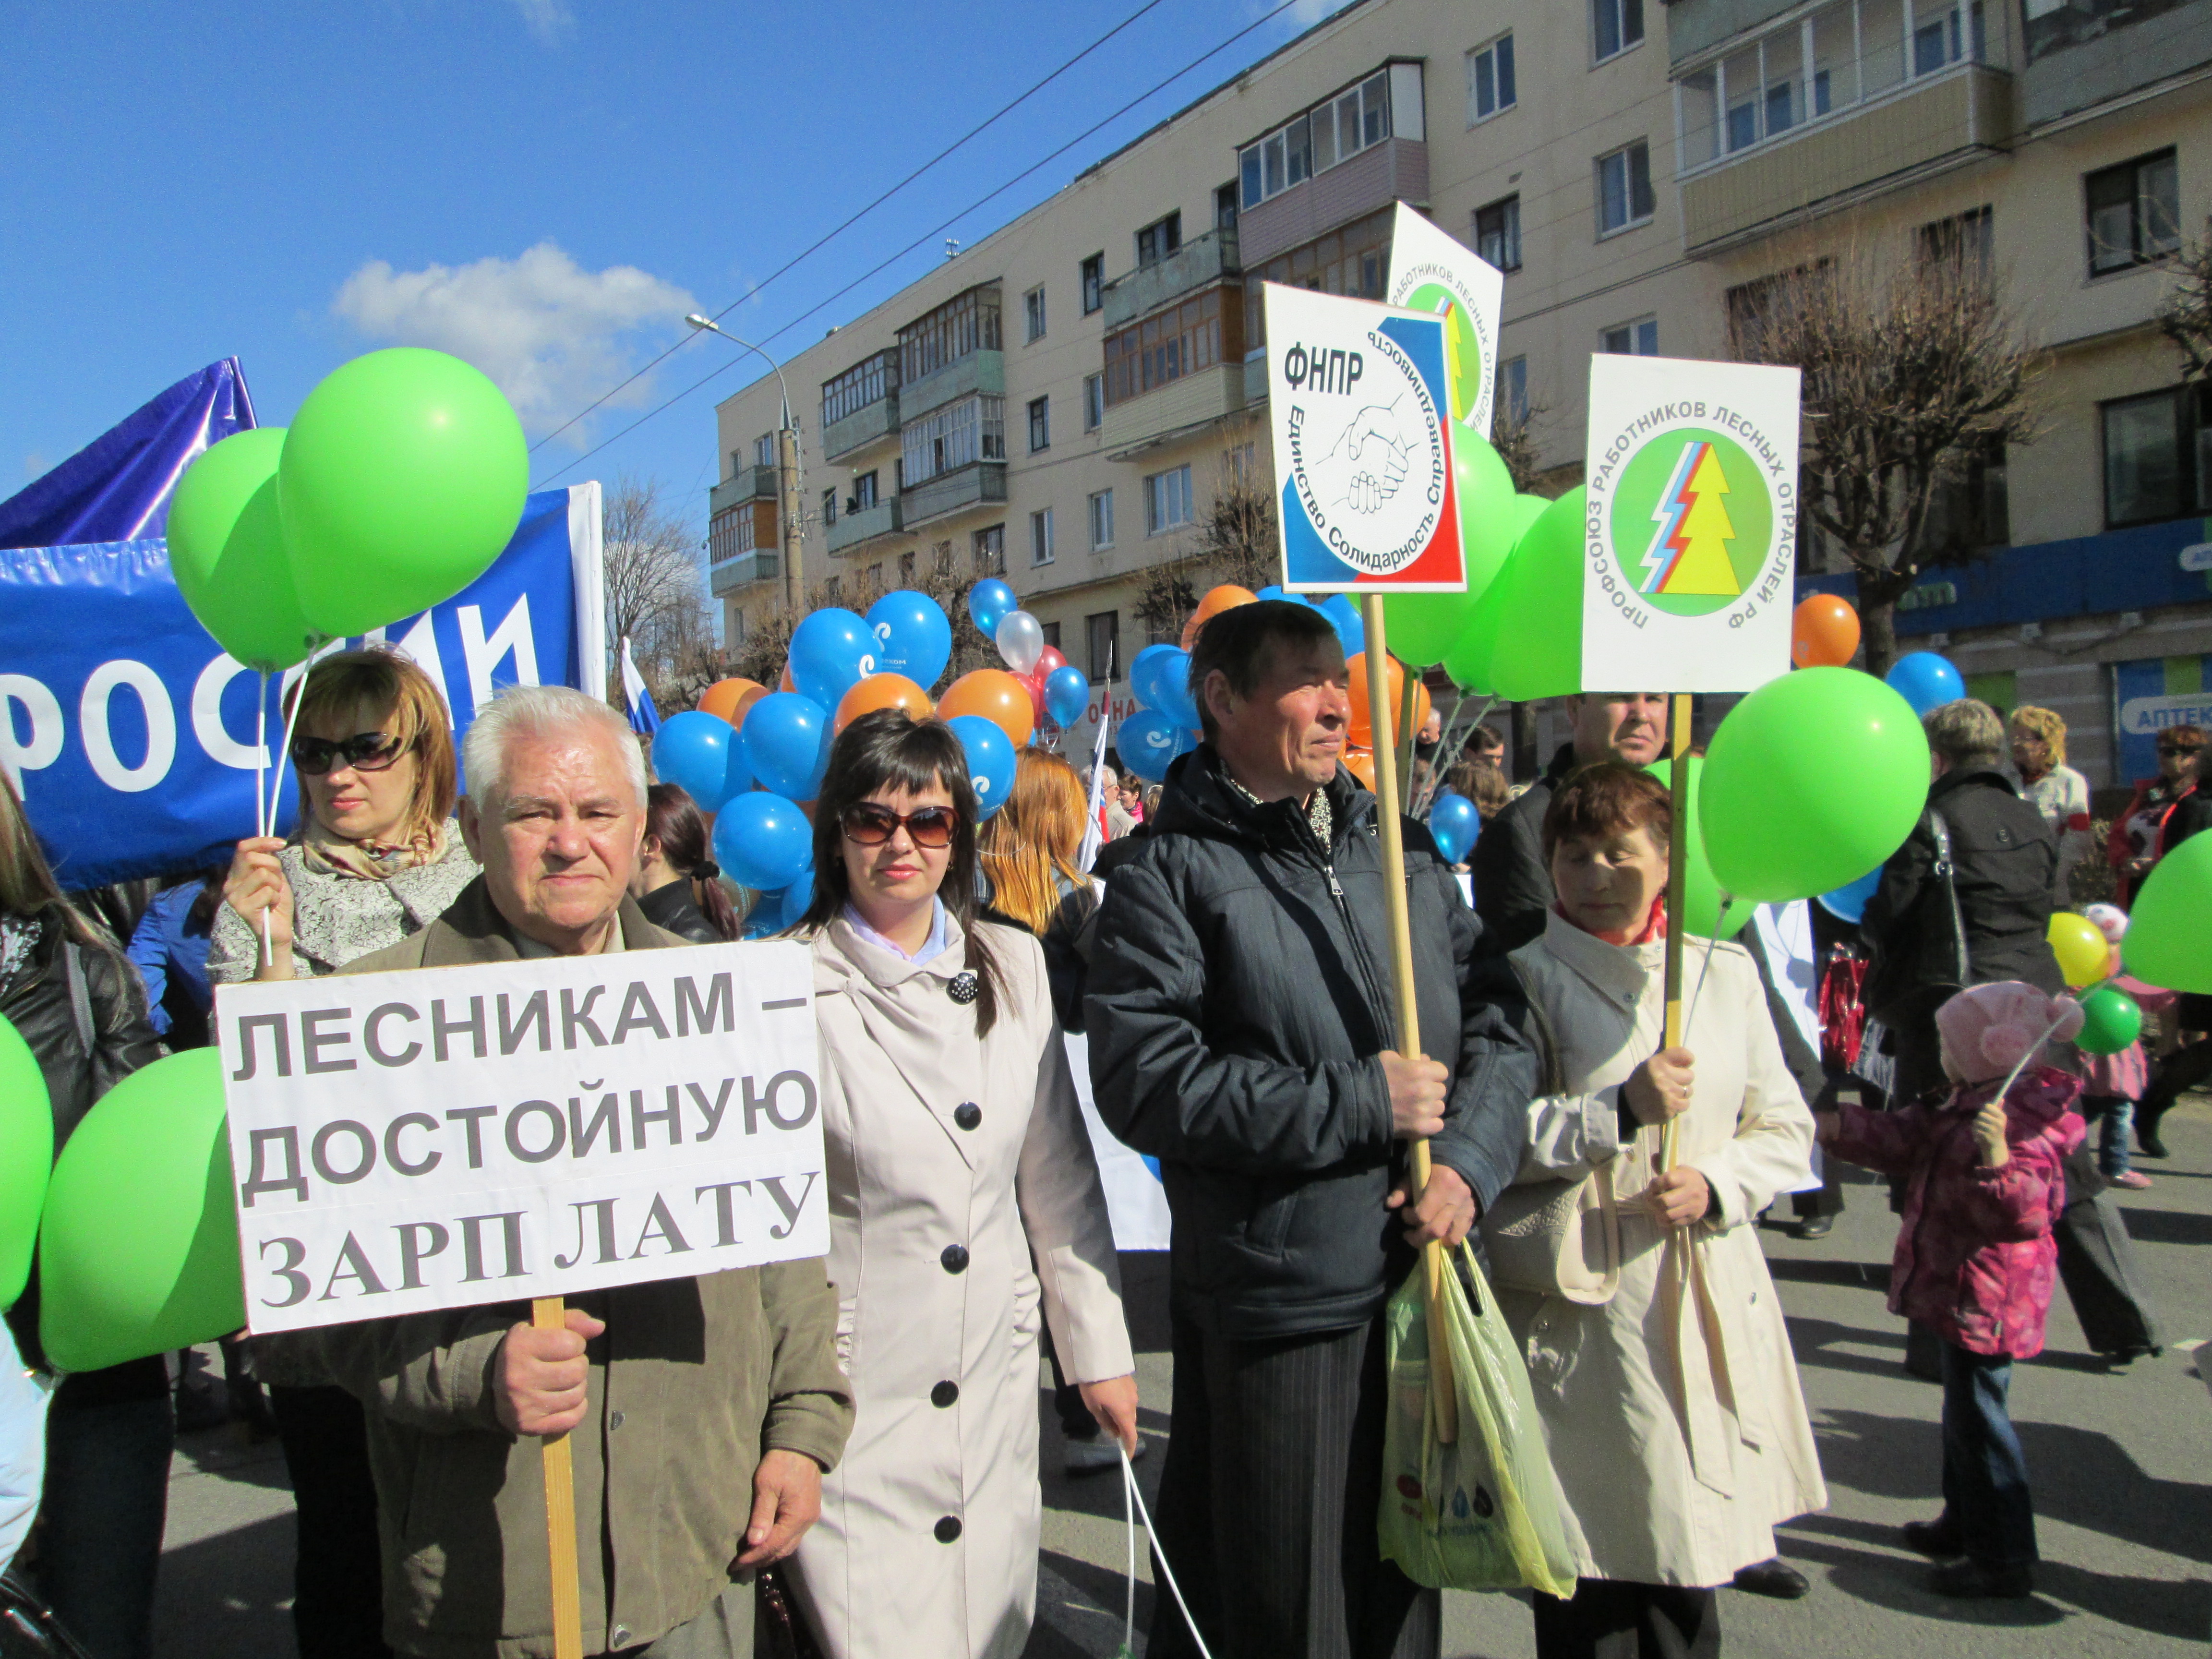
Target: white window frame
(1634, 221)
(1094, 401)
(1102, 520)
(1618, 7)
(1500, 104)
(1635, 329)
(1272, 158)
(1167, 493)
(1041, 538)
(1033, 315)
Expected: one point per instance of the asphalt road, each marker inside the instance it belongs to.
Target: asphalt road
(2121, 1464)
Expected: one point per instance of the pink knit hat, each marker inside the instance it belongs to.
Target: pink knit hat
(1988, 1029)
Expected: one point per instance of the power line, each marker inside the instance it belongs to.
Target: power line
(1004, 110)
(927, 235)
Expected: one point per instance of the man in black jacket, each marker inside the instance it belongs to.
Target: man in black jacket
(1512, 880)
(1242, 1031)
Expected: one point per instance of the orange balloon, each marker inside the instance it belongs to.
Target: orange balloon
(1363, 730)
(785, 683)
(1824, 632)
(996, 695)
(730, 699)
(1360, 762)
(1227, 597)
(881, 691)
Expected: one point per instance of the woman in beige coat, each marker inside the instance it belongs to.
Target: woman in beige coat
(963, 1199)
(1672, 1410)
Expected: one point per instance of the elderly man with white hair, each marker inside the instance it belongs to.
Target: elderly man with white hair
(731, 1401)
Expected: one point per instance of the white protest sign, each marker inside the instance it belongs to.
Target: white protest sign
(488, 1133)
(1432, 271)
(1356, 405)
(1691, 535)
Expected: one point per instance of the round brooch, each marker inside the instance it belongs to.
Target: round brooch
(962, 988)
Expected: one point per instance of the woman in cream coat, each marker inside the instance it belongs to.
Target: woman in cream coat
(963, 1199)
(1674, 1475)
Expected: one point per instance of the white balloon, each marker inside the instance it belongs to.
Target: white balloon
(1021, 641)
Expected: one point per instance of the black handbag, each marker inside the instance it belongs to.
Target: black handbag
(1900, 1016)
(28, 1629)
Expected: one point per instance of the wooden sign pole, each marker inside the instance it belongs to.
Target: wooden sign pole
(1433, 1262)
(1678, 867)
(549, 1313)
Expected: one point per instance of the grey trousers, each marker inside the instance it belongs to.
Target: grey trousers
(723, 1629)
(1268, 1500)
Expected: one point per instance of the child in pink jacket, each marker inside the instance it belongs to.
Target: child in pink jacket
(1975, 1255)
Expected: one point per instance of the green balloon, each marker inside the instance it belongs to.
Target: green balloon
(2110, 1021)
(1467, 659)
(1701, 896)
(403, 479)
(1811, 781)
(2168, 943)
(227, 551)
(1423, 626)
(138, 1253)
(1539, 651)
(27, 1159)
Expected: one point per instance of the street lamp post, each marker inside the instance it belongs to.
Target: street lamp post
(786, 469)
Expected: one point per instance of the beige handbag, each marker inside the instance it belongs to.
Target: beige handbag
(1556, 1238)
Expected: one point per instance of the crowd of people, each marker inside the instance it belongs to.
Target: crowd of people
(839, 1456)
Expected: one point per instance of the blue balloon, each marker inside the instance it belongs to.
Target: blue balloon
(787, 744)
(762, 841)
(832, 652)
(1274, 593)
(1926, 681)
(914, 637)
(989, 603)
(1148, 741)
(1066, 694)
(1160, 678)
(796, 898)
(1344, 617)
(1455, 824)
(990, 761)
(1142, 668)
(1849, 903)
(692, 751)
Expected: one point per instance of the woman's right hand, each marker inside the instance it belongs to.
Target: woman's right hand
(1661, 1087)
(256, 886)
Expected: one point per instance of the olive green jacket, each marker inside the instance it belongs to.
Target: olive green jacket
(693, 1380)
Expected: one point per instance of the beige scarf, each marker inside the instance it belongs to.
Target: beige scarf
(327, 854)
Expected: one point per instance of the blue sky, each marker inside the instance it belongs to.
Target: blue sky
(543, 186)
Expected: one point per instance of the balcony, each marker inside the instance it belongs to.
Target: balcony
(1201, 260)
(2082, 53)
(1395, 170)
(1180, 406)
(752, 483)
(761, 566)
(982, 371)
(860, 406)
(1929, 126)
(883, 518)
(975, 485)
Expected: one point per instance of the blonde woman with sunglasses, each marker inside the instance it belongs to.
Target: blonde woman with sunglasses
(965, 1211)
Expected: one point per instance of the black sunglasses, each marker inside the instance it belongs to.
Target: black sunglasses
(364, 751)
(873, 825)
(2177, 749)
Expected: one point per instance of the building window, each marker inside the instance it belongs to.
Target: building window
(965, 323)
(906, 568)
(764, 450)
(864, 491)
(1169, 345)
(1615, 25)
(1498, 233)
(1964, 242)
(1167, 501)
(830, 586)
(1040, 424)
(830, 505)
(1489, 80)
(865, 383)
(2154, 459)
(1158, 240)
(959, 434)
(1033, 315)
(737, 628)
(1102, 520)
(1331, 131)
(1224, 206)
(1637, 339)
(1952, 34)
(876, 575)
(1102, 634)
(1513, 389)
(1093, 282)
(1041, 536)
(1094, 401)
(990, 550)
(1347, 261)
(1623, 188)
(2134, 212)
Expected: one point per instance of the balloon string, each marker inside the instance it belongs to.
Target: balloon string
(276, 784)
(260, 753)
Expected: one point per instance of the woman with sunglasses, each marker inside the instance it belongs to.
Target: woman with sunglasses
(964, 1202)
(377, 856)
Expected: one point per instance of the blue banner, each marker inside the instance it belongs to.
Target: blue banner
(132, 738)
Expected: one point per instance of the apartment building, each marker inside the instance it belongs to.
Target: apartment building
(1059, 403)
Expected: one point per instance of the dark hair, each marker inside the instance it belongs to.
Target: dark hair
(672, 819)
(1484, 734)
(1608, 798)
(888, 751)
(1240, 642)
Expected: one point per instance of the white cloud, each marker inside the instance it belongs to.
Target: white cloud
(1306, 13)
(548, 19)
(552, 335)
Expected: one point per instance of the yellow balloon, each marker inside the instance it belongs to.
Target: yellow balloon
(2082, 951)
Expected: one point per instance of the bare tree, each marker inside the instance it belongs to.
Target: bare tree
(2185, 314)
(1513, 437)
(656, 595)
(1913, 377)
(1233, 543)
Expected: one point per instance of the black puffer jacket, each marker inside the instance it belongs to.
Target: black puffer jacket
(1513, 888)
(2004, 856)
(1238, 997)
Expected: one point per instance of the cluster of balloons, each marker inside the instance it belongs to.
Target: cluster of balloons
(1165, 724)
(397, 485)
